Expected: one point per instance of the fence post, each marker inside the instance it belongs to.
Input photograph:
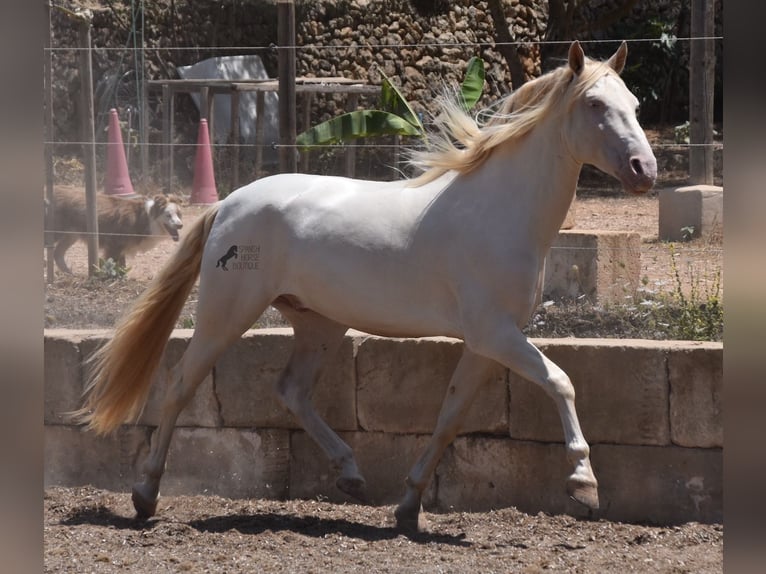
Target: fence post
(701, 88)
(89, 142)
(288, 162)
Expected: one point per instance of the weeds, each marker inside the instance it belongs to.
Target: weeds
(109, 269)
(694, 314)
(697, 316)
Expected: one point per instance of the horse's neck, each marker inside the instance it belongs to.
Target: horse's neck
(532, 182)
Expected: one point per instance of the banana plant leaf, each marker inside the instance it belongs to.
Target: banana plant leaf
(391, 100)
(473, 83)
(356, 124)
(395, 118)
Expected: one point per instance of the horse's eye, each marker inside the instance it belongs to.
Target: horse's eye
(595, 104)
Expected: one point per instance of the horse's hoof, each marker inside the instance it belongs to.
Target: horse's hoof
(145, 507)
(585, 494)
(355, 487)
(409, 522)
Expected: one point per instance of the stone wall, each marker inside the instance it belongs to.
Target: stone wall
(651, 410)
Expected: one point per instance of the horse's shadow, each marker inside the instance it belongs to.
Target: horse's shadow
(254, 524)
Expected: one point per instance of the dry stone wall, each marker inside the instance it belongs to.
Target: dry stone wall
(652, 411)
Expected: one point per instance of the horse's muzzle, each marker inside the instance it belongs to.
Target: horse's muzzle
(641, 174)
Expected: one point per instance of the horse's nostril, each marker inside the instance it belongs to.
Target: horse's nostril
(635, 163)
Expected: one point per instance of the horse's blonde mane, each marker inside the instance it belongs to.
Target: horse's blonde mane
(459, 143)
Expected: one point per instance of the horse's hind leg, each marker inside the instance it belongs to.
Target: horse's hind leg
(317, 339)
(211, 338)
(471, 373)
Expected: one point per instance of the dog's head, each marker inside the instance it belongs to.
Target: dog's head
(167, 212)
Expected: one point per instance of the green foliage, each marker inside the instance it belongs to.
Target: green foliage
(109, 269)
(356, 124)
(395, 118)
(655, 70)
(473, 83)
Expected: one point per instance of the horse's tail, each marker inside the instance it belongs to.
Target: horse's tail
(121, 370)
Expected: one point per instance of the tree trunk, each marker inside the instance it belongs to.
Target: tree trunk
(504, 43)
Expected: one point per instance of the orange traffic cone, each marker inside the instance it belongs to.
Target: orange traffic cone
(117, 180)
(203, 188)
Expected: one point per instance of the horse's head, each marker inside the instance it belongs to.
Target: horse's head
(603, 129)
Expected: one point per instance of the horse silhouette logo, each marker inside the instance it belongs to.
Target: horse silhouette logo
(232, 252)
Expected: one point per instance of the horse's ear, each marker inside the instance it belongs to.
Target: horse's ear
(617, 61)
(576, 57)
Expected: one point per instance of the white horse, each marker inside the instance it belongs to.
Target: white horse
(458, 252)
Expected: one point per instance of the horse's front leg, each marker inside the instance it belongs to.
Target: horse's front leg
(509, 346)
(471, 373)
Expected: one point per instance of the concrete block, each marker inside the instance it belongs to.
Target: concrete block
(235, 463)
(63, 384)
(384, 460)
(696, 395)
(478, 474)
(203, 408)
(695, 208)
(621, 392)
(659, 485)
(603, 266)
(401, 384)
(246, 374)
(74, 457)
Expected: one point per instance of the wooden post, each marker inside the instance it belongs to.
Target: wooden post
(48, 98)
(701, 88)
(259, 139)
(307, 99)
(288, 161)
(144, 130)
(234, 106)
(351, 103)
(89, 144)
(167, 154)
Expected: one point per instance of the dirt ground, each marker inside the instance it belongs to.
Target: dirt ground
(89, 530)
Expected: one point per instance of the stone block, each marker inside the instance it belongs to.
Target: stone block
(690, 212)
(602, 266)
(63, 384)
(203, 408)
(696, 395)
(401, 384)
(246, 374)
(74, 457)
(234, 463)
(478, 474)
(384, 460)
(659, 485)
(621, 392)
